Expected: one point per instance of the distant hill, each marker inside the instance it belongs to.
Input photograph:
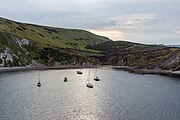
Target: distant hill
(175, 46)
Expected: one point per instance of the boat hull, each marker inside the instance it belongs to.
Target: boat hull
(96, 79)
(89, 85)
(79, 72)
(39, 84)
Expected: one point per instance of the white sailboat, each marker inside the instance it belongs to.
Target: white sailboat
(79, 71)
(88, 83)
(39, 83)
(96, 77)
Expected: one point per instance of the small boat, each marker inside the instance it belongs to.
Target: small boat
(80, 63)
(96, 78)
(79, 72)
(88, 83)
(39, 83)
(65, 79)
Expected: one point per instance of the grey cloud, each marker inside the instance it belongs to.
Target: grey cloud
(136, 19)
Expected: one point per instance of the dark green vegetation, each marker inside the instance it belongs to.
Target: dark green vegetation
(25, 44)
(138, 55)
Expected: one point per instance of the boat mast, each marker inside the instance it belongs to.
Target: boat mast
(96, 71)
(39, 77)
(80, 58)
(80, 65)
(89, 76)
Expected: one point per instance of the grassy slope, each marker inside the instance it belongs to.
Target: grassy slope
(50, 36)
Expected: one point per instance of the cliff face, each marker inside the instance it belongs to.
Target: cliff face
(172, 61)
(6, 57)
(14, 50)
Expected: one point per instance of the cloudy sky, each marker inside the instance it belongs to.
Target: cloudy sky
(143, 21)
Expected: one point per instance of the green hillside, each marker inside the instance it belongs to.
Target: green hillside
(26, 44)
(51, 36)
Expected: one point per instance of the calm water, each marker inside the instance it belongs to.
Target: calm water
(118, 96)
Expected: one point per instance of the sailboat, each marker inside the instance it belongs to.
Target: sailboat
(96, 77)
(88, 83)
(79, 71)
(39, 83)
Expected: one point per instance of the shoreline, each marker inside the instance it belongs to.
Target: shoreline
(168, 73)
(125, 68)
(27, 68)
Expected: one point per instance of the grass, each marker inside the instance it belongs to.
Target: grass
(50, 36)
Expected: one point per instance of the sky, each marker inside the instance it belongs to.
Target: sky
(141, 21)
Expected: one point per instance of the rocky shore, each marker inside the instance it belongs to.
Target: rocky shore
(147, 71)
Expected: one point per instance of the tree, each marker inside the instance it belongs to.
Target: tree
(1, 61)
